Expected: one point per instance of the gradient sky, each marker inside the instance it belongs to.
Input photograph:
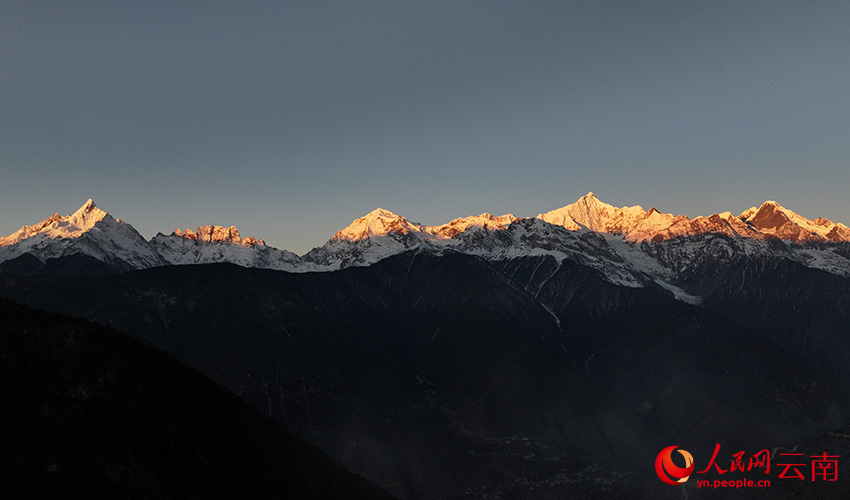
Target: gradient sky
(290, 119)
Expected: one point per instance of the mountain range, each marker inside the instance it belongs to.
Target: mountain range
(489, 357)
(629, 245)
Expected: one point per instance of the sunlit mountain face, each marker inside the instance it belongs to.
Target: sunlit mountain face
(493, 356)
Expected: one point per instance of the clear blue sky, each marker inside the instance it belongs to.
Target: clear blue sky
(290, 119)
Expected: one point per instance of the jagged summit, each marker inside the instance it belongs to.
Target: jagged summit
(211, 244)
(218, 234)
(87, 215)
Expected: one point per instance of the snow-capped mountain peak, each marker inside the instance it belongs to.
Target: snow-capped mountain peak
(774, 219)
(56, 226)
(89, 231)
(382, 233)
(589, 212)
(378, 222)
(770, 215)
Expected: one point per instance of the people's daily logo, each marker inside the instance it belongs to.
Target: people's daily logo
(665, 468)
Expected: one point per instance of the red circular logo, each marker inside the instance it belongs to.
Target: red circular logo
(665, 468)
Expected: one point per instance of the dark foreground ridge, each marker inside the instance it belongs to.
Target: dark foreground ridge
(88, 412)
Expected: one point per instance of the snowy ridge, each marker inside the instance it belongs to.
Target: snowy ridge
(380, 222)
(635, 224)
(381, 233)
(629, 246)
(211, 244)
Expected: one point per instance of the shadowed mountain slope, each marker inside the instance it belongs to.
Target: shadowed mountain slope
(88, 412)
